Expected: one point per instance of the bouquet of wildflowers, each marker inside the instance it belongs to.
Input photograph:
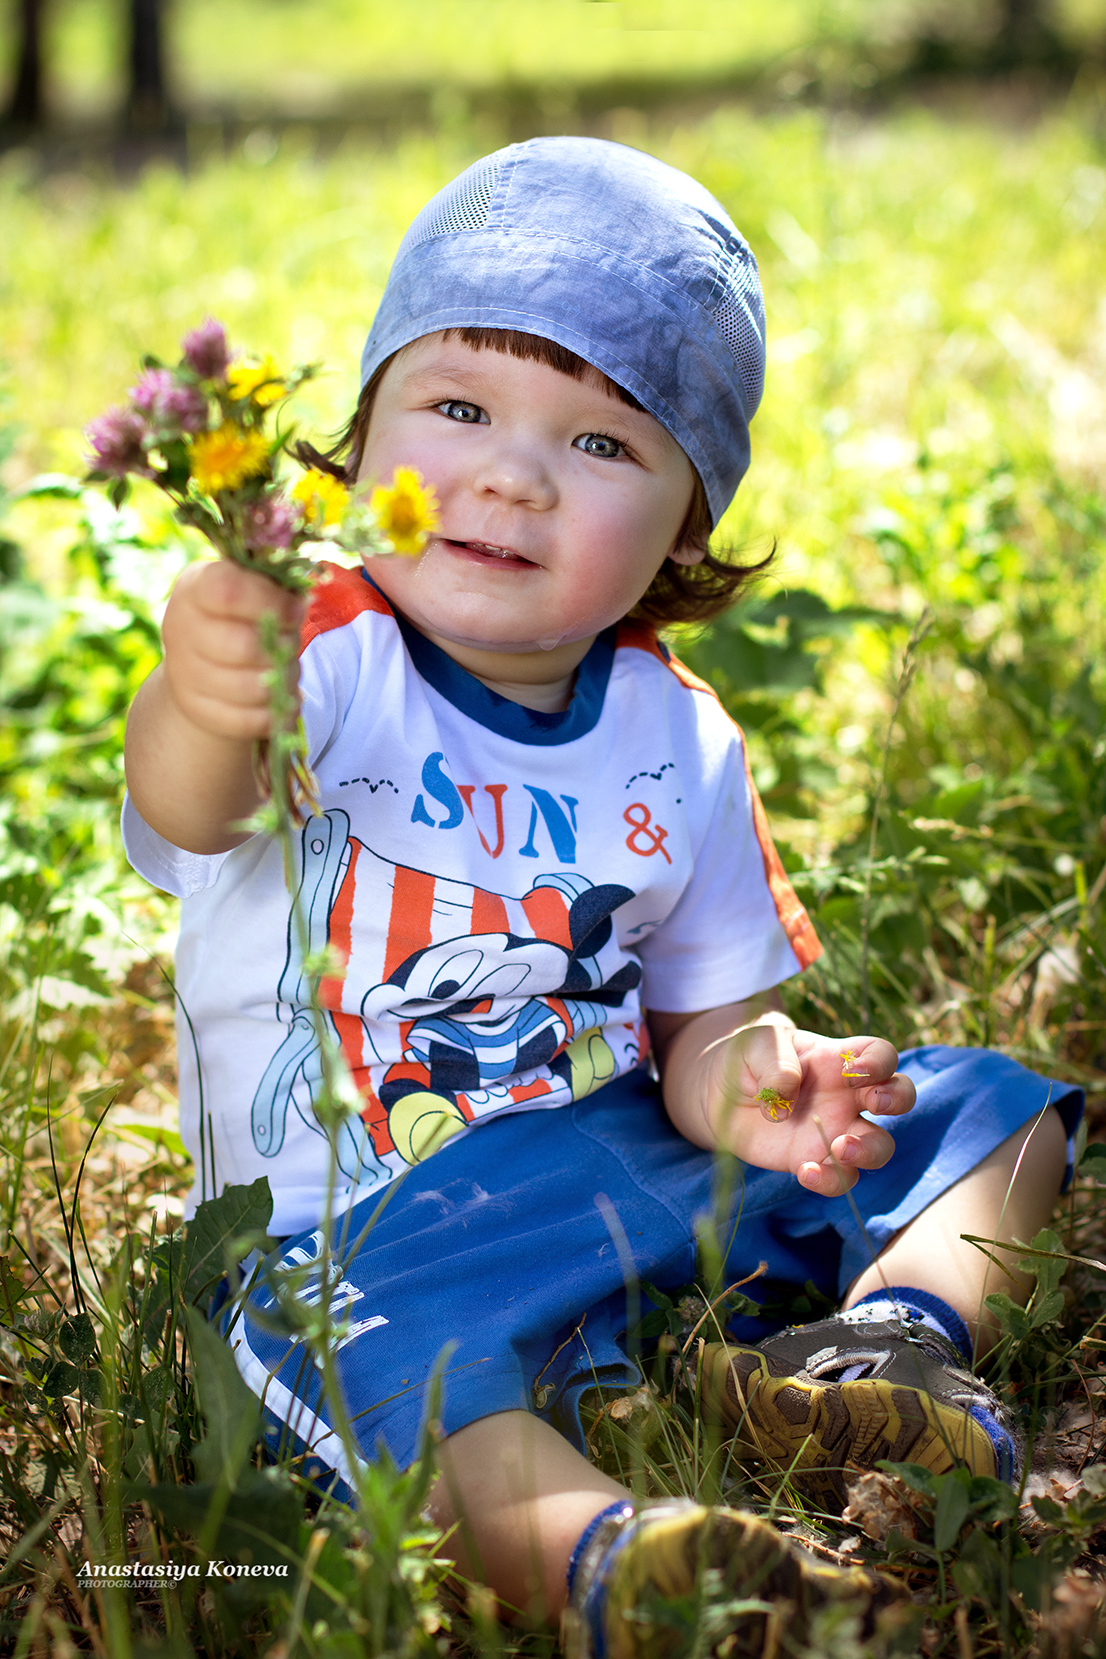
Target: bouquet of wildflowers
(199, 432)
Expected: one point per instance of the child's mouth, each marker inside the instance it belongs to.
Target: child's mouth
(487, 553)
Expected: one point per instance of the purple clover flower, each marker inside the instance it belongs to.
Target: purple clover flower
(270, 523)
(116, 438)
(169, 405)
(206, 351)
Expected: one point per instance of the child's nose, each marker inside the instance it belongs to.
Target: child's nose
(516, 473)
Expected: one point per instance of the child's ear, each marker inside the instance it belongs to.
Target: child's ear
(684, 553)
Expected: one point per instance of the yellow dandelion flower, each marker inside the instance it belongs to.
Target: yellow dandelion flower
(776, 1106)
(224, 459)
(324, 497)
(262, 381)
(406, 510)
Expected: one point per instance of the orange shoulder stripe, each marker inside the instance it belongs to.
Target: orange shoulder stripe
(338, 594)
(793, 918)
(639, 636)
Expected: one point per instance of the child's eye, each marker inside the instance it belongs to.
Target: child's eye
(597, 443)
(469, 414)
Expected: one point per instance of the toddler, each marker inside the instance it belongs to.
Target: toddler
(559, 925)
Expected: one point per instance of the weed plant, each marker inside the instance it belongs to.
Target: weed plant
(921, 681)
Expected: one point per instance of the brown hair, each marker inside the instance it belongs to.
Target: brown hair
(677, 593)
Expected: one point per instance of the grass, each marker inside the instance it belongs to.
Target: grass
(932, 440)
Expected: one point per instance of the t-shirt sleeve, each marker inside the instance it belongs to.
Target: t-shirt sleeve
(738, 928)
(324, 669)
(160, 863)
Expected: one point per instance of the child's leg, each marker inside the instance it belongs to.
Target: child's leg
(992, 1202)
(520, 1496)
(888, 1377)
(526, 1504)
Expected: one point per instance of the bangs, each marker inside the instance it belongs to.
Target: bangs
(678, 593)
(535, 348)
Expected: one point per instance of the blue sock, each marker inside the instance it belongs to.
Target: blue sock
(623, 1508)
(592, 1563)
(921, 1307)
(591, 1605)
(912, 1307)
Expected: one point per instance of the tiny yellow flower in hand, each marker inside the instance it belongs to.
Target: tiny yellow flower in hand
(774, 1105)
(324, 497)
(224, 459)
(848, 1061)
(406, 510)
(262, 381)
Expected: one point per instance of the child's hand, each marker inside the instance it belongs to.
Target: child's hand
(214, 665)
(828, 1082)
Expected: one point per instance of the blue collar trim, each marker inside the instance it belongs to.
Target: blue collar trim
(499, 714)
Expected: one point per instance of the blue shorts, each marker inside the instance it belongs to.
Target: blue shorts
(512, 1243)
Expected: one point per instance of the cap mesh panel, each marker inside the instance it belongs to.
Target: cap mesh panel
(463, 205)
(740, 321)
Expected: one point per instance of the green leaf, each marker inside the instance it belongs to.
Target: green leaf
(1093, 1162)
(56, 484)
(992, 1500)
(215, 1224)
(60, 1379)
(738, 1303)
(654, 1324)
(77, 1339)
(12, 1291)
(157, 1133)
(953, 1504)
(657, 1296)
(231, 1411)
(88, 1386)
(914, 1475)
(264, 1514)
(1010, 1315)
(1048, 1309)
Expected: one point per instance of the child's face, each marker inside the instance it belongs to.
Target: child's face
(559, 503)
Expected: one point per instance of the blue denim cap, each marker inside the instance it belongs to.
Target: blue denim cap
(627, 262)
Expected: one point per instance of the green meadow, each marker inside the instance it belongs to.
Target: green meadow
(919, 673)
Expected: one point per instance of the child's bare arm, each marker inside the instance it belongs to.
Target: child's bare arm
(192, 726)
(743, 1078)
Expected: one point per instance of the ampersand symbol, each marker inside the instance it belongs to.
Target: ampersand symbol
(644, 825)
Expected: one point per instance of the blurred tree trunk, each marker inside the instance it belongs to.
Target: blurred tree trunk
(1025, 29)
(26, 105)
(147, 99)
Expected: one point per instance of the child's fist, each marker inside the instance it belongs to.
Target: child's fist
(214, 662)
(793, 1102)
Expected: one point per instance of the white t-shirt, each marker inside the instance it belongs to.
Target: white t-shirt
(504, 891)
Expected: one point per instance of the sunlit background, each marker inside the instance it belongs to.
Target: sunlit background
(920, 675)
(924, 186)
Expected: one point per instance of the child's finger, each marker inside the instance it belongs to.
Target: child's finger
(827, 1179)
(890, 1099)
(224, 589)
(866, 1060)
(866, 1146)
(775, 1066)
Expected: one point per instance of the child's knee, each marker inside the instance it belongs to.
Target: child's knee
(1034, 1156)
